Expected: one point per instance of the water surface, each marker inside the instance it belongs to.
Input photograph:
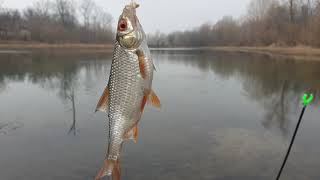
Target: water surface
(225, 116)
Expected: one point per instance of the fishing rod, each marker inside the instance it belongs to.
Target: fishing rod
(306, 101)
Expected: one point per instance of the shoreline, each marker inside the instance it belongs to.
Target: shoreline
(298, 52)
(65, 46)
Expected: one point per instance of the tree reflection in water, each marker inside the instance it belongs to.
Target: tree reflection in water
(276, 83)
(51, 71)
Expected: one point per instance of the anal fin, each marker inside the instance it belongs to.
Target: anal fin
(154, 100)
(132, 134)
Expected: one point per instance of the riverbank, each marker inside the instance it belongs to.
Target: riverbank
(298, 52)
(65, 46)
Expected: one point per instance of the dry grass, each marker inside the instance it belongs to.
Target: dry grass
(20, 45)
(298, 52)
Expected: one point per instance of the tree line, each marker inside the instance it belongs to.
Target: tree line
(57, 21)
(266, 23)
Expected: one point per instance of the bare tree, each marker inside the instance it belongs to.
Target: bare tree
(204, 34)
(226, 31)
(66, 12)
(291, 10)
(56, 21)
(268, 22)
(42, 7)
(258, 9)
(87, 8)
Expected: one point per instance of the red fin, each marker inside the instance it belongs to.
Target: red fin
(144, 101)
(132, 134)
(155, 101)
(128, 135)
(141, 63)
(103, 102)
(116, 174)
(135, 133)
(106, 170)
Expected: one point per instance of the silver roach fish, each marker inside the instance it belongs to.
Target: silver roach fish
(128, 89)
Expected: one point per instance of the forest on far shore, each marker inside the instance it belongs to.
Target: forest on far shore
(266, 23)
(57, 21)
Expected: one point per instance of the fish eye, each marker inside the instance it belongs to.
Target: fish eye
(122, 25)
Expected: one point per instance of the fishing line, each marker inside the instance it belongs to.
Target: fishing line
(306, 102)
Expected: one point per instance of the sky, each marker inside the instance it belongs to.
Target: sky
(165, 15)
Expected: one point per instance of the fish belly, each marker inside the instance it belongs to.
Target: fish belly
(126, 88)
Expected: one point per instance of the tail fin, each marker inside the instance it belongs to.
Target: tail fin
(109, 168)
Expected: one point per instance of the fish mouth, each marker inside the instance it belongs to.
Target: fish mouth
(129, 20)
(129, 32)
(129, 24)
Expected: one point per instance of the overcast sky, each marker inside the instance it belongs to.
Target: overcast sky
(166, 15)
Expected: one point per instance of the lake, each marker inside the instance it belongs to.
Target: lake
(224, 116)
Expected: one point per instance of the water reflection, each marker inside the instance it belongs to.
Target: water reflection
(277, 110)
(8, 127)
(196, 117)
(276, 83)
(54, 72)
(73, 126)
(45, 69)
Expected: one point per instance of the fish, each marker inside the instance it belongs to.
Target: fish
(128, 90)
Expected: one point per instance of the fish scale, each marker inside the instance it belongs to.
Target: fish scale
(125, 83)
(128, 90)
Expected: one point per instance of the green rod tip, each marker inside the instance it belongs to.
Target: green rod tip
(307, 99)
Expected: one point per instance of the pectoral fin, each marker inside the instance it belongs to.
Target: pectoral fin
(142, 64)
(154, 100)
(103, 102)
